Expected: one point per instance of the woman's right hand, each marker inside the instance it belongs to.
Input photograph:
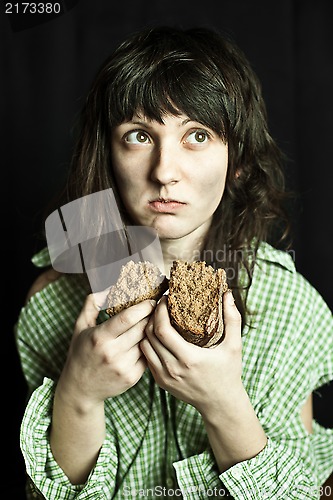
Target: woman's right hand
(104, 360)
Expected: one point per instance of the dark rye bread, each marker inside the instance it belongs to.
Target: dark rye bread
(137, 281)
(195, 301)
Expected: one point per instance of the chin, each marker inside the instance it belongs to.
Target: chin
(172, 232)
(168, 227)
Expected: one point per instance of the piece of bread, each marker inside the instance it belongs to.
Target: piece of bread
(195, 302)
(137, 281)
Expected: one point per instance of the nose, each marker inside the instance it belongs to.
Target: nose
(165, 169)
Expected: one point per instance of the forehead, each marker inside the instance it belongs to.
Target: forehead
(166, 117)
(170, 123)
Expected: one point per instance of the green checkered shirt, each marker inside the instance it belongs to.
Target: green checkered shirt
(156, 446)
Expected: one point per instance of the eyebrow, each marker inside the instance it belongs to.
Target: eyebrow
(136, 122)
(146, 124)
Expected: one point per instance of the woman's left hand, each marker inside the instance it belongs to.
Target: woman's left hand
(210, 380)
(207, 378)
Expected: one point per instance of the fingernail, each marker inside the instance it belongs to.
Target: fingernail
(153, 302)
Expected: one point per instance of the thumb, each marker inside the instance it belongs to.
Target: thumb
(232, 319)
(88, 315)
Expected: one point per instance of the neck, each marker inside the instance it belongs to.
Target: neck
(186, 248)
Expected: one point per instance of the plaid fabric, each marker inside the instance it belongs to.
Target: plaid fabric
(156, 446)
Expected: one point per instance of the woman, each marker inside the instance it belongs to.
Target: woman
(176, 125)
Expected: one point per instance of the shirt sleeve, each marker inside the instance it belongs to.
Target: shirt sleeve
(291, 466)
(45, 478)
(285, 469)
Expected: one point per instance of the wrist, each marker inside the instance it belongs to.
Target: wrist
(74, 399)
(77, 432)
(225, 405)
(234, 430)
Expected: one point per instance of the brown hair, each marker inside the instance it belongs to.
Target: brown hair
(204, 75)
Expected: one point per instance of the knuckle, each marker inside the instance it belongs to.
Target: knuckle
(127, 377)
(173, 371)
(160, 330)
(125, 319)
(117, 368)
(131, 378)
(190, 362)
(95, 339)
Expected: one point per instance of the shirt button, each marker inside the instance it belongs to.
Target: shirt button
(169, 482)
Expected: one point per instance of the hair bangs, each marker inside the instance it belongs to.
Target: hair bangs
(170, 87)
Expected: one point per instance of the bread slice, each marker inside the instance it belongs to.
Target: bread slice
(195, 301)
(137, 281)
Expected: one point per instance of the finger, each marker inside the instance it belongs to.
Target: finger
(101, 298)
(141, 365)
(165, 332)
(135, 356)
(232, 320)
(133, 336)
(151, 356)
(88, 315)
(131, 316)
(164, 354)
(135, 371)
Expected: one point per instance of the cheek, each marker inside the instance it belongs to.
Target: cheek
(121, 165)
(122, 179)
(129, 172)
(213, 180)
(123, 175)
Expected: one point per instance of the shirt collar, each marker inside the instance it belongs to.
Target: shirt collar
(268, 253)
(42, 258)
(265, 252)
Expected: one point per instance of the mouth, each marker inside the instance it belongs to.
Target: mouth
(165, 205)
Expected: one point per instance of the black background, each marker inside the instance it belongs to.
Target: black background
(47, 64)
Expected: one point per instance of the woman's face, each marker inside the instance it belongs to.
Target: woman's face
(170, 176)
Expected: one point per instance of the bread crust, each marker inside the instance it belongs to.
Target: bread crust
(153, 284)
(214, 327)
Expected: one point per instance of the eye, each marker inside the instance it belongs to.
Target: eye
(137, 137)
(197, 137)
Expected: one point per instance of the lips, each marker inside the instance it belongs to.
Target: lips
(166, 205)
